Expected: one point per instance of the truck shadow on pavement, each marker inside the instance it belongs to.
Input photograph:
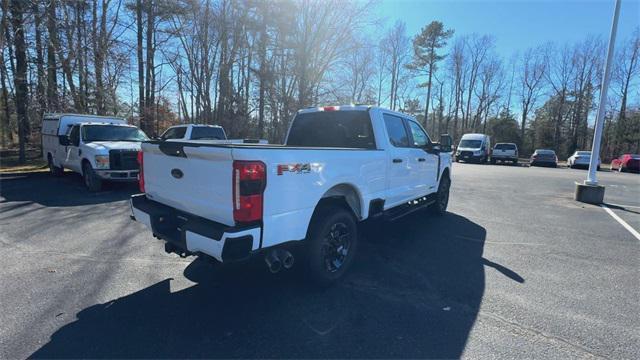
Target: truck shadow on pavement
(414, 292)
(66, 190)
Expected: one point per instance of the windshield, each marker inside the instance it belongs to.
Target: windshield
(207, 133)
(587, 153)
(112, 133)
(344, 129)
(473, 144)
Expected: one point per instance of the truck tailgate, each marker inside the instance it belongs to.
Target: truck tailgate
(193, 179)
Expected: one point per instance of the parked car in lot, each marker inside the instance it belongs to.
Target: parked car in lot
(580, 159)
(340, 165)
(474, 148)
(626, 163)
(544, 157)
(97, 147)
(505, 152)
(202, 132)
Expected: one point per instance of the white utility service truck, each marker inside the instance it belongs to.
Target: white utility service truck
(97, 147)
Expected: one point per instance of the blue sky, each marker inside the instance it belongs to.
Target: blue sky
(516, 24)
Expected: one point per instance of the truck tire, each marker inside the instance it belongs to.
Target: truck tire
(439, 208)
(54, 170)
(91, 180)
(332, 244)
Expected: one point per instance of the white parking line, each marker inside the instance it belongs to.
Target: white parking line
(622, 222)
(625, 206)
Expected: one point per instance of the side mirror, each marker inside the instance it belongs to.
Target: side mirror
(63, 140)
(446, 141)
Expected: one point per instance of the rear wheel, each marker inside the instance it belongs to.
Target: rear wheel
(91, 179)
(53, 170)
(442, 197)
(333, 240)
(493, 161)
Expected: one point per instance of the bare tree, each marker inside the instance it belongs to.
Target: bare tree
(531, 80)
(396, 47)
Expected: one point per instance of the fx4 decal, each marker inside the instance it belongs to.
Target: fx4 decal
(294, 168)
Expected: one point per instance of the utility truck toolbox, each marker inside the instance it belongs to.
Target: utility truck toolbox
(302, 200)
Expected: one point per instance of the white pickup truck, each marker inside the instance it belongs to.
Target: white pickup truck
(204, 133)
(340, 165)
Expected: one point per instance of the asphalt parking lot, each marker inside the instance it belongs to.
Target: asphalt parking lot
(516, 269)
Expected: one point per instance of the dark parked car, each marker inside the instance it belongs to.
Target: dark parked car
(544, 157)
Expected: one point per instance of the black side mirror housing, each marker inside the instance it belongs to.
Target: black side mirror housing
(63, 140)
(446, 142)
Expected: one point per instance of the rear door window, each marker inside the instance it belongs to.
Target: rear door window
(396, 130)
(342, 129)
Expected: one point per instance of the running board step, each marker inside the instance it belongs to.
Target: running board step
(409, 207)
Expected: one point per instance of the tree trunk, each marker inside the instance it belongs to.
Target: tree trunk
(139, 48)
(52, 82)
(426, 111)
(150, 78)
(20, 77)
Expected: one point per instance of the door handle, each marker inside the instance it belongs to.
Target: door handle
(421, 159)
(397, 160)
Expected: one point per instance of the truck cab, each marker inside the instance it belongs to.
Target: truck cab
(98, 148)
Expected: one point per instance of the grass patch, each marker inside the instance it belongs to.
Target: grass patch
(9, 161)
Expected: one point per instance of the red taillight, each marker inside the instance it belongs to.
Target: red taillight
(330, 108)
(141, 171)
(249, 181)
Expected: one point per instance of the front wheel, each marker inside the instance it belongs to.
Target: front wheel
(333, 240)
(442, 197)
(91, 179)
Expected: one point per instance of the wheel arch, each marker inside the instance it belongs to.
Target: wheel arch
(343, 194)
(82, 162)
(446, 172)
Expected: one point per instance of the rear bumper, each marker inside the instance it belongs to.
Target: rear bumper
(543, 163)
(189, 234)
(118, 175)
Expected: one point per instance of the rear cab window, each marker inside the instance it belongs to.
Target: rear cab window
(340, 129)
(174, 133)
(505, 147)
(207, 133)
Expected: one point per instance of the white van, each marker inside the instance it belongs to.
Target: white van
(474, 147)
(97, 147)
